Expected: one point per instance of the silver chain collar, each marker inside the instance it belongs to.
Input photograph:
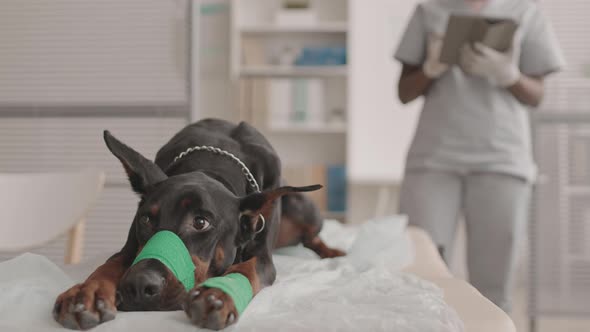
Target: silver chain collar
(219, 151)
(249, 177)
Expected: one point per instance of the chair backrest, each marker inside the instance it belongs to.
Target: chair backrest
(38, 208)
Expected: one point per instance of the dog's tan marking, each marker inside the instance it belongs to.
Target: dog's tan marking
(248, 269)
(219, 255)
(154, 209)
(201, 269)
(319, 247)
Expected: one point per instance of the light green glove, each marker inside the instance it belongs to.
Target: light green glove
(500, 68)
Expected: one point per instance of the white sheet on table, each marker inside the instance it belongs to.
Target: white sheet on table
(361, 292)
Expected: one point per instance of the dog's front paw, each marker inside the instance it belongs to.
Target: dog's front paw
(210, 308)
(86, 305)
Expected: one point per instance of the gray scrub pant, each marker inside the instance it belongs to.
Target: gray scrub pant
(495, 207)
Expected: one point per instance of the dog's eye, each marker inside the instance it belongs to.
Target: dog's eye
(201, 224)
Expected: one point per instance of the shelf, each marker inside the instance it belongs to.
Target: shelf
(335, 27)
(305, 128)
(341, 216)
(294, 72)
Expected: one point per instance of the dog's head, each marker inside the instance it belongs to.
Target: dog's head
(210, 220)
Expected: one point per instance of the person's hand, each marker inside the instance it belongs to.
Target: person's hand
(432, 67)
(500, 68)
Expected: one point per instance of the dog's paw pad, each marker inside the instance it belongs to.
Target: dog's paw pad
(217, 303)
(210, 308)
(231, 318)
(194, 294)
(106, 313)
(69, 322)
(88, 319)
(73, 310)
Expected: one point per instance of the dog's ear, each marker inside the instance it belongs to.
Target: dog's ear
(142, 172)
(253, 205)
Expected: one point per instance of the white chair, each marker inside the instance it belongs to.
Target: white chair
(38, 208)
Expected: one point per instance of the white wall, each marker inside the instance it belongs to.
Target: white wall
(380, 128)
(195, 60)
(214, 94)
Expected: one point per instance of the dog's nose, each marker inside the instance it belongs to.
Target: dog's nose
(147, 285)
(140, 290)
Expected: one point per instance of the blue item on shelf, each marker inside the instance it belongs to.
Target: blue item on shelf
(336, 188)
(322, 56)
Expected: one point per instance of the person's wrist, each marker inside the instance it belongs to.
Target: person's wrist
(427, 74)
(433, 71)
(509, 77)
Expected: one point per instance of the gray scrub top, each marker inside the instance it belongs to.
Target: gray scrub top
(467, 124)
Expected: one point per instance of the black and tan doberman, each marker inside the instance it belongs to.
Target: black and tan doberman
(205, 197)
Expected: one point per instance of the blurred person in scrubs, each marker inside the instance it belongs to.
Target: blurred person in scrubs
(471, 154)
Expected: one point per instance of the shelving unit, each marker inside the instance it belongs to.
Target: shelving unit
(309, 129)
(330, 27)
(270, 71)
(257, 41)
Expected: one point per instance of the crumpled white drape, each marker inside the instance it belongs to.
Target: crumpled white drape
(363, 291)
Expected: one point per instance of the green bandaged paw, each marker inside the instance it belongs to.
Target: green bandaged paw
(169, 249)
(236, 286)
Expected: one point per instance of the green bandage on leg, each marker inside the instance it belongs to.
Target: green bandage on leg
(236, 286)
(169, 249)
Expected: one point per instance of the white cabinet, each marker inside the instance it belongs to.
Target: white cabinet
(559, 257)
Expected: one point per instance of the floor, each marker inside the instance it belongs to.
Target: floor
(519, 315)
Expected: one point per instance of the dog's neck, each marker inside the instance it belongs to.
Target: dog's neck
(221, 169)
(236, 189)
(215, 166)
